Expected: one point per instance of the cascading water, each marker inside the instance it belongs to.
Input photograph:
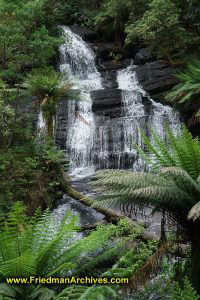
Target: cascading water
(96, 142)
(114, 135)
(141, 112)
(78, 66)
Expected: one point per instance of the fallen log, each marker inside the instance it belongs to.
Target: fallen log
(111, 215)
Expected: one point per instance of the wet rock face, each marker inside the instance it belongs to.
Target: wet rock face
(61, 123)
(156, 78)
(143, 56)
(85, 33)
(107, 51)
(107, 102)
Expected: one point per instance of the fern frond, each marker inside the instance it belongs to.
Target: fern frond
(8, 292)
(43, 293)
(186, 92)
(85, 293)
(194, 213)
(163, 149)
(182, 179)
(187, 292)
(72, 293)
(23, 265)
(174, 190)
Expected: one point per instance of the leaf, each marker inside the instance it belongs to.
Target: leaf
(194, 213)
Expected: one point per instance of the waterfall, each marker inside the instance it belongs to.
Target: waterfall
(114, 136)
(103, 141)
(78, 67)
(141, 112)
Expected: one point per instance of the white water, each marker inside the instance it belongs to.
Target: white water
(78, 65)
(137, 118)
(95, 142)
(41, 126)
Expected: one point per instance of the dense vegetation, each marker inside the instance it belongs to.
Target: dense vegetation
(32, 242)
(169, 28)
(185, 95)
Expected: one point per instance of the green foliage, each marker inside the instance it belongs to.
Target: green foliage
(43, 246)
(175, 188)
(6, 121)
(169, 28)
(186, 93)
(160, 29)
(45, 85)
(187, 293)
(180, 150)
(160, 286)
(16, 119)
(30, 174)
(70, 12)
(132, 261)
(113, 16)
(25, 41)
(165, 287)
(46, 81)
(87, 293)
(28, 32)
(34, 247)
(124, 235)
(50, 157)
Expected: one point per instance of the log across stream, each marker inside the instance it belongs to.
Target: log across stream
(80, 199)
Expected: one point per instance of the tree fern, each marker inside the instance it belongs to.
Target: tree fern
(194, 213)
(173, 186)
(180, 150)
(187, 92)
(45, 84)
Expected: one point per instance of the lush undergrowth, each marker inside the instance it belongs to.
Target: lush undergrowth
(43, 247)
(32, 242)
(30, 174)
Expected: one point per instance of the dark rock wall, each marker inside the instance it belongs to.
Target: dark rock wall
(156, 78)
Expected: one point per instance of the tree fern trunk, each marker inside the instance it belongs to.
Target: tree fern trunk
(50, 128)
(195, 259)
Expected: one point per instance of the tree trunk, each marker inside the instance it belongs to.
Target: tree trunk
(195, 260)
(15, 118)
(110, 214)
(50, 127)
